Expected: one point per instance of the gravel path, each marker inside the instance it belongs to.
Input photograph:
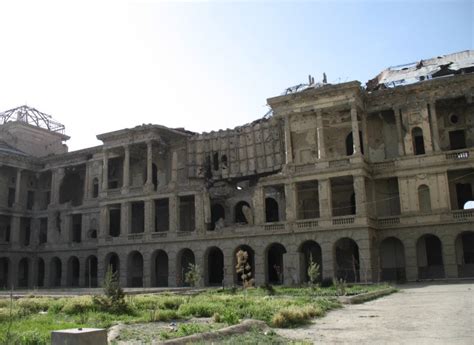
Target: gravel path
(418, 314)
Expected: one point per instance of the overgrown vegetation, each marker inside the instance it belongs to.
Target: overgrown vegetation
(193, 275)
(313, 271)
(113, 299)
(243, 269)
(32, 319)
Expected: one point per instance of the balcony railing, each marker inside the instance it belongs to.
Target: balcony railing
(463, 214)
(343, 221)
(457, 155)
(274, 227)
(307, 224)
(388, 221)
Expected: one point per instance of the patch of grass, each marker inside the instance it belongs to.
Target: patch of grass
(186, 329)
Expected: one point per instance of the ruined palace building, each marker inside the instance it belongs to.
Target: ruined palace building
(372, 182)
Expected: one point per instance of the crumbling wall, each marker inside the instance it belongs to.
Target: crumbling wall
(304, 141)
(387, 197)
(382, 136)
(251, 149)
(337, 126)
(7, 186)
(455, 119)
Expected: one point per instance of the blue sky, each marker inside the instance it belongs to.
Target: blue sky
(100, 66)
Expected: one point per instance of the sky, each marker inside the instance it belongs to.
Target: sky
(99, 66)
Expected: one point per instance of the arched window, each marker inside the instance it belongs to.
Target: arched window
(418, 142)
(424, 198)
(217, 215)
(271, 210)
(243, 213)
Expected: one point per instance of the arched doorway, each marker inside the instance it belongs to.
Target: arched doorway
(275, 264)
(465, 254)
(4, 272)
(310, 251)
(242, 212)
(271, 210)
(23, 268)
(250, 261)
(347, 260)
(215, 266)
(135, 269)
(91, 272)
(73, 271)
(41, 269)
(55, 272)
(113, 262)
(159, 268)
(430, 257)
(185, 258)
(217, 213)
(392, 260)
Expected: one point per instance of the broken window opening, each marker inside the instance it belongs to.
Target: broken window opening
(350, 144)
(11, 197)
(215, 267)
(464, 194)
(114, 221)
(162, 215)
(187, 213)
(271, 210)
(72, 186)
(343, 196)
(308, 200)
(138, 217)
(215, 161)
(115, 171)
(76, 228)
(217, 217)
(418, 142)
(43, 231)
(5, 225)
(30, 199)
(457, 140)
(243, 213)
(25, 231)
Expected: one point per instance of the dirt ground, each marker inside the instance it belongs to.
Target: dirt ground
(418, 314)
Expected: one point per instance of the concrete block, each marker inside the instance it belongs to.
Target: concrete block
(79, 336)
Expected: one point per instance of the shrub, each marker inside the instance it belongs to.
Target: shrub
(326, 282)
(341, 286)
(113, 299)
(243, 269)
(230, 317)
(33, 305)
(269, 289)
(171, 303)
(193, 275)
(293, 316)
(78, 305)
(5, 314)
(217, 318)
(313, 271)
(199, 309)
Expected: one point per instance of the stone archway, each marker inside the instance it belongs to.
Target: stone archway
(465, 254)
(430, 257)
(160, 268)
(392, 260)
(185, 258)
(275, 264)
(214, 259)
(310, 251)
(73, 271)
(135, 269)
(346, 253)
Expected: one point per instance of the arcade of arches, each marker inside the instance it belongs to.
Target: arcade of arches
(277, 263)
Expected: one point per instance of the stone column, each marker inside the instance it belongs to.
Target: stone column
(105, 172)
(125, 219)
(449, 256)
(103, 222)
(174, 168)
(18, 188)
(288, 146)
(355, 130)
(207, 207)
(325, 200)
(47, 272)
(172, 268)
(291, 201)
(258, 201)
(15, 230)
(149, 166)
(146, 269)
(360, 195)
(229, 268)
(365, 138)
(411, 261)
(64, 272)
(327, 258)
(57, 178)
(320, 133)
(174, 213)
(401, 145)
(434, 125)
(32, 273)
(82, 272)
(86, 183)
(126, 170)
(259, 273)
(149, 216)
(199, 213)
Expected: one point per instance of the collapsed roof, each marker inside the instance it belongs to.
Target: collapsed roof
(33, 117)
(450, 64)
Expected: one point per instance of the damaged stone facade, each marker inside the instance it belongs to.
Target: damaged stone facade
(371, 184)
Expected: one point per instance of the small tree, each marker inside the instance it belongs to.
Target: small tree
(244, 269)
(114, 298)
(193, 275)
(313, 271)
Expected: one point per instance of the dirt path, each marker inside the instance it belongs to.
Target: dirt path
(418, 314)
